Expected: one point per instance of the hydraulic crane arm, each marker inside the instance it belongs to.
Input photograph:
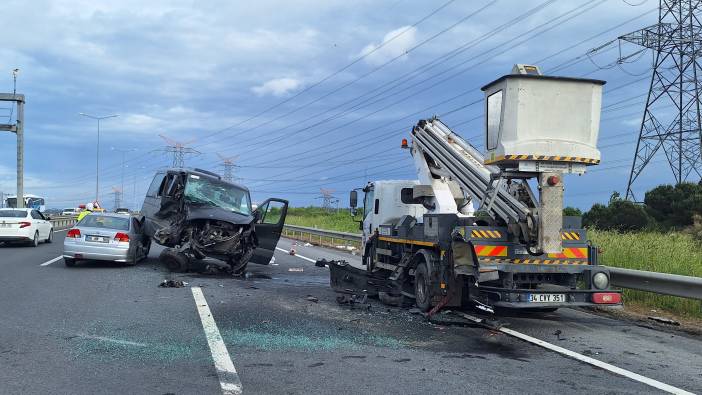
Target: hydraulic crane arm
(450, 156)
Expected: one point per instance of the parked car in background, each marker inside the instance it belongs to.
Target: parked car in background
(69, 211)
(106, 237)
(25, 225)
(122, 210)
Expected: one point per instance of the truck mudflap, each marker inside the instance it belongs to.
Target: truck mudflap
(530, 299)
(348, 279)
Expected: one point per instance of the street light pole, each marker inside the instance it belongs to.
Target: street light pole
(97, 153)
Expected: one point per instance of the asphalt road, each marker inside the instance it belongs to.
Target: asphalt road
(104, 328)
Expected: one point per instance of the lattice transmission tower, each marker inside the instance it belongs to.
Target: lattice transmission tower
(118, 197)
(328, 199)
(671, 119)
(228, 165)
(178, 151)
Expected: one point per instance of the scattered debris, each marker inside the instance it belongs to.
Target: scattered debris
(415, 310)
(308, 245)
(296, 269)
(292, 251)
(172, 284)
(664, 320)
(252, 287)
(557, 333)
(316, 364)
(321, 262)
(354, 301)
(312, 298)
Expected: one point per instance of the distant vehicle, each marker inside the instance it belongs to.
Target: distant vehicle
(122, 210)
(198, 215)
(106, 237)
(25, 225)
(69, 211)
(30, 201)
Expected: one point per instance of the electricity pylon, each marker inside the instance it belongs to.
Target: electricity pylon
(178, 150)
(675, 40)
(228, 164)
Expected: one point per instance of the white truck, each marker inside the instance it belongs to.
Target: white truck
(423, 241)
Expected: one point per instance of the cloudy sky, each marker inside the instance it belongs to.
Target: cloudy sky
(306, 94)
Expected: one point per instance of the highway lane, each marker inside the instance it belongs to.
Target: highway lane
(104, 328)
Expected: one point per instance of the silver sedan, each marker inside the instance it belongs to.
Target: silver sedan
(106, 237)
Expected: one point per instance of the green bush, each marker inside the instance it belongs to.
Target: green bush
(621, 215)
(674, 207)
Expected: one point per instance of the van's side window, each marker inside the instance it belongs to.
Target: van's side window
(155, 184)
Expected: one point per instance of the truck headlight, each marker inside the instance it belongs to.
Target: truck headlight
(600, 280)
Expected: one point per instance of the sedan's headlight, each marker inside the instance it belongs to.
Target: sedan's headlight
(600, 280)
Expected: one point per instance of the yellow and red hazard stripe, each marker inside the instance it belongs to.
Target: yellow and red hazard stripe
(571, 253)
(491, 250)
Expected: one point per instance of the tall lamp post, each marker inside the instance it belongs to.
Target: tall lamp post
(97, 155)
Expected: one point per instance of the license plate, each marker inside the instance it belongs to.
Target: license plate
(97, 239)
(547, 298)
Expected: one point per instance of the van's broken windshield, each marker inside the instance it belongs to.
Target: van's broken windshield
(200, 190)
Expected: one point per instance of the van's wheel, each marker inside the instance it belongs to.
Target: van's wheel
(174, 261)
(70, 262)
(147, 249)
(51, 236)
(422, 287)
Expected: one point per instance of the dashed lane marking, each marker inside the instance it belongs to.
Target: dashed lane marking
(297, 255)
(228, 378)
(49, 262)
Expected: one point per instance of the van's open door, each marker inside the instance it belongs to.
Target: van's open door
(269, 226)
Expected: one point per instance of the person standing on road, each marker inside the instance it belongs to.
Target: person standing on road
(84, 213)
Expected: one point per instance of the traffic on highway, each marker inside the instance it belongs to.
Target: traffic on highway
(483, 246)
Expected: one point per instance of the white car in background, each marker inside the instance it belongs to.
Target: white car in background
(25, 225)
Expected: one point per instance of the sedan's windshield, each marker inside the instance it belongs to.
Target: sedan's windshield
(200, 190)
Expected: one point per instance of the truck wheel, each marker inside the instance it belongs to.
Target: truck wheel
(174, 261)
(422, 287)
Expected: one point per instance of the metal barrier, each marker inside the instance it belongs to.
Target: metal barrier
(322, 236)
(62, 222)
(660, 283)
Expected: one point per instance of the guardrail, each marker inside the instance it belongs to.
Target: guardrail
(62, 222)
(323, 237)
(660, 283)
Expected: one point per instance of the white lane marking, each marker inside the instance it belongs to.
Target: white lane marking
(61, 230)
(297, 255)
(228, 378)
(47, 263)
(603, 365)
(116, 341)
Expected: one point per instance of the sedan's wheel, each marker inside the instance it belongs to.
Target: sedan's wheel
(422, 287)
(70, 262)
(51, 236)
(133, 259)
(35, 240)
(174, 261)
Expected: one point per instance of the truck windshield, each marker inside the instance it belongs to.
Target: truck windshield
(200, 190)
